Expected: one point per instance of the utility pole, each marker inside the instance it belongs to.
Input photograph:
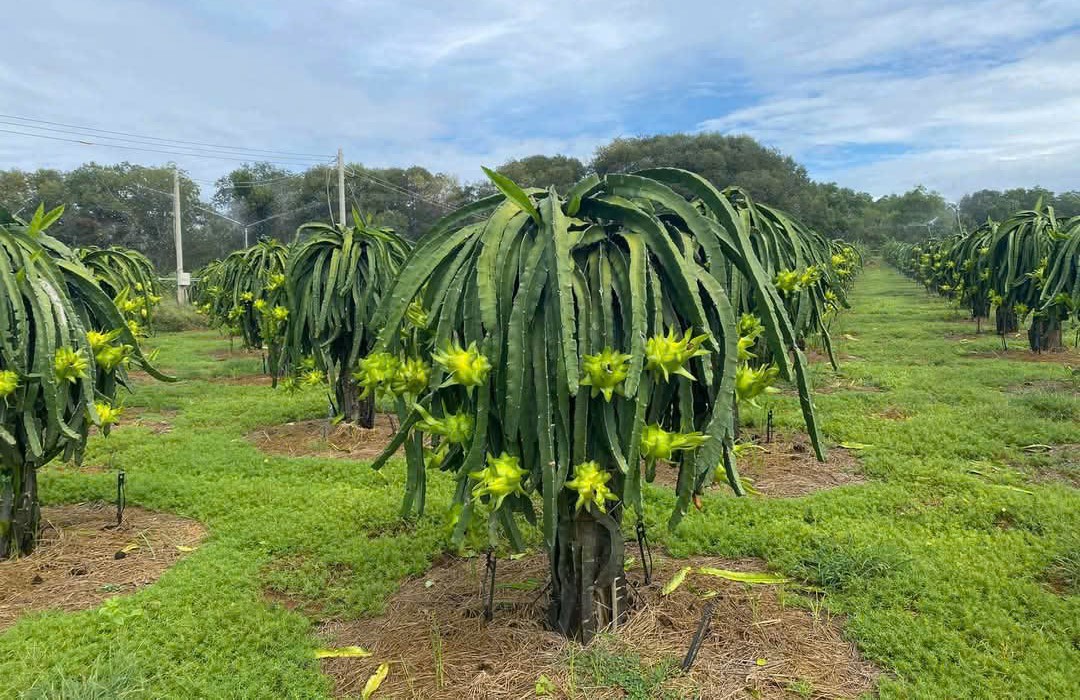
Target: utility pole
(341, 186)
(181, 279)
(245, 236)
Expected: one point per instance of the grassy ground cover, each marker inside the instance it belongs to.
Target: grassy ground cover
(957, 565)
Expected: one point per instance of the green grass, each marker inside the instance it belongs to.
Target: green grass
(942, 564)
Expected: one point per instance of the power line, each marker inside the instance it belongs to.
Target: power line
(84, 142)
(229, 218)
(230, 152)
(158, 138)
(399, 189)
(196, 206)
(309, 205)
(255, 183)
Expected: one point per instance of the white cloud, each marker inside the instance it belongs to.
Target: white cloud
(1004, 123)
(455, 85)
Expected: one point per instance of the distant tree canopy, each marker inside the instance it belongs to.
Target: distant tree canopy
(979, 206)
(765, 173)
(543, 171)
(768, 175)
(124, 204)
(131, 205)
(408, 200)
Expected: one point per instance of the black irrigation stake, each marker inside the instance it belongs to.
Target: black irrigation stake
(545, 589)
(121, 497)
(699, 636)
(489, 606)
(769, 426)
(646, 552)
(329, 420)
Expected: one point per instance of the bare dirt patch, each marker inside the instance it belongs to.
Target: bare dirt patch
(835, 384)
(785, 467)
(320, 438)
(1068, 356)
(965, 337)
(80, 561)
(816, 355)
(1047, 385)
(158, 422)
(1053, 464)
(893, 413)
(434, 637)
(72, 467)
(242, 380)
(222, 355)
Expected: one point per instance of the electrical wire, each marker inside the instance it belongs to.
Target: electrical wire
(230, 219)
(309, 205)
(231, 152)
(196, 206)
(399, 189)
(158, 138)
(153, 150)
(255, 183)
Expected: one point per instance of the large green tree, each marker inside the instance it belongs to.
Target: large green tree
(765, 173)
(914, 215)
(408, 200)
(560, 172)
(977, 207)
(123, 204)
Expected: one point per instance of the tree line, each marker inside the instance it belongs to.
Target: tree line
(131, 205)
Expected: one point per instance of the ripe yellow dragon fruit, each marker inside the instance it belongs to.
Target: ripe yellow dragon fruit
(453, 427)
(467, 366)
(499, 479)
(605, 371)
(668, 354)
(69, 365)
(375, 372)
(411, 378)
(751, 383)
(9, 382)
(590, 482)
(657, 443)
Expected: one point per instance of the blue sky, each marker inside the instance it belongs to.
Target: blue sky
(879, 96)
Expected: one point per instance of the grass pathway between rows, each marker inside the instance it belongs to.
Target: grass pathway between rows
(938, 562)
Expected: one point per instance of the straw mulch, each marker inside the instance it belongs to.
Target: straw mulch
(434, 637)
(1019, 351)
(321, 438)
(159, 422)
(785, 467)
(81, 559)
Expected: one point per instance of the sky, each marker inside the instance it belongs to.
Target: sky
(879, 96)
